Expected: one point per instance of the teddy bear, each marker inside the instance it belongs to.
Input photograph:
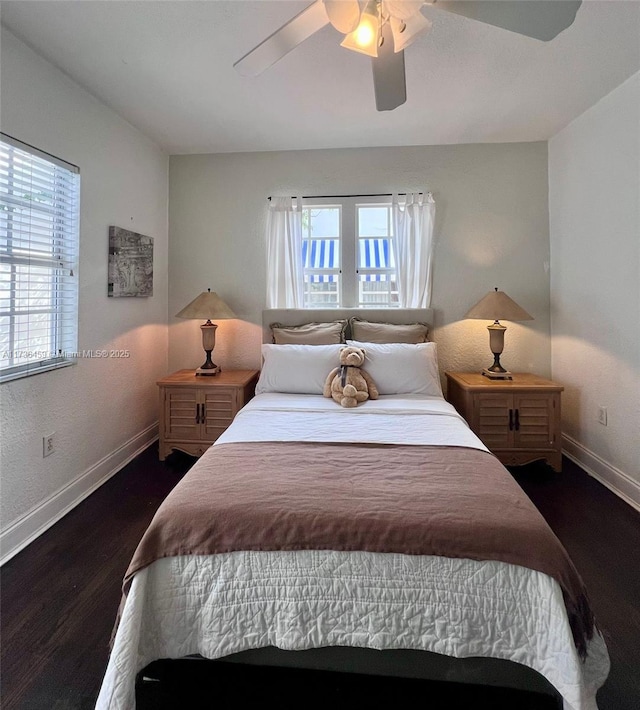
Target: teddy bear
(349, 384)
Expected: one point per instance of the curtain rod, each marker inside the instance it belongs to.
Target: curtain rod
(327, 197)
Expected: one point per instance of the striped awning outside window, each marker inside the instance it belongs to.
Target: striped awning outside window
(320, 254)
(375, 254)
(323, 254)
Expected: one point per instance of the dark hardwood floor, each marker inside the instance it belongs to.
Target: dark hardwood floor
(59, 598)
(601, 533)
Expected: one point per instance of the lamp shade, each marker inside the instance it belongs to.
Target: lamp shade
(209, 306)
(496, 305)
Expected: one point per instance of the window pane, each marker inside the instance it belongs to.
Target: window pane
(377, 290)
(374, 222)
(33, 339)
(39, 203)
(376, 262)
(34, 288)
(5, 291)
(321, 290)
(6, 355)
(324, 221)
(321, 256)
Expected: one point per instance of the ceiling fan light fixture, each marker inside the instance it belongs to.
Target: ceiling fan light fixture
(364, 38)
(344, 15)
(388, 26)
(406, 31)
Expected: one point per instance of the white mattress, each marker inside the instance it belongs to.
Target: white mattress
(220, 604)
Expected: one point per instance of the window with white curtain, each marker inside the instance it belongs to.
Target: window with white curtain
(39, 207)
(365, 251)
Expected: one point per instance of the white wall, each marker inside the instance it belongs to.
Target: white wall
(491, 230)
(102, 411)
(594, 205)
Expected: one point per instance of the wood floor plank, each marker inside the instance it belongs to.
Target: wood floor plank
(60, 595)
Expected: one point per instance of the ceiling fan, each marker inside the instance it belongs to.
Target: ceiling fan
(382, 29)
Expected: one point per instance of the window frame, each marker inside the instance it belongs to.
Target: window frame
(389, 270)
(60, 238)
(348, 288)
(308, 205)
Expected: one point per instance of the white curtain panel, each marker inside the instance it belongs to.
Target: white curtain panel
(284, 253)
(413, 219)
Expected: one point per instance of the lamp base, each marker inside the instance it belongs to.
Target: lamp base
(209, 367)
(505, 375)
(209, 370)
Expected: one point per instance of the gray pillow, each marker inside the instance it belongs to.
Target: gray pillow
(309, 333)
(370, 332)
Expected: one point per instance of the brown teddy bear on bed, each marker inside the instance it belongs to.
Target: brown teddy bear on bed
(349, 384)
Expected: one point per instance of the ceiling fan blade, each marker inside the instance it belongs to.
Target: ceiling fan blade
(540, 19)
(389, 81)
(282, 41)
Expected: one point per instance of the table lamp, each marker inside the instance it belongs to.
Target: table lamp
(207, 305)
(496, 305)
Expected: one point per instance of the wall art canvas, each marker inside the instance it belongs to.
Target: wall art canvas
(130, 264)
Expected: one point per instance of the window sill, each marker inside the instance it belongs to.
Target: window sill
(16, 373)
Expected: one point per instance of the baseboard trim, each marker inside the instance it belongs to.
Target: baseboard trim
(31, 525)
(613, 478)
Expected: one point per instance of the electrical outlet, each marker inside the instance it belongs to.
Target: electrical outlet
(602, 415)
(48, 444)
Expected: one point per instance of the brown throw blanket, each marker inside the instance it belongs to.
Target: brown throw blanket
(415, 500)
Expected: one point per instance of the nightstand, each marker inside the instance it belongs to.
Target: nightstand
(518, 419)
(195, 410)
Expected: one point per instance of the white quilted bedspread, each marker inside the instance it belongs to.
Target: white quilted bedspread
(221, 604)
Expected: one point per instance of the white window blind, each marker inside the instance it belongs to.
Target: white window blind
(39, 206)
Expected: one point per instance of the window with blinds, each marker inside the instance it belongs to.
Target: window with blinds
(39, 206)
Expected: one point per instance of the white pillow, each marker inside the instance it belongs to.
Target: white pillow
(402, 368)
(297, 369)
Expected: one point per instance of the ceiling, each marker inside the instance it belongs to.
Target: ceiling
(167, 67)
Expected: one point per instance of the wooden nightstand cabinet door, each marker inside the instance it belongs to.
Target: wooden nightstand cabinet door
(535, 422)
(491, 418)
(196, 410)
(220, 407)
(181, 413)
(518, 420)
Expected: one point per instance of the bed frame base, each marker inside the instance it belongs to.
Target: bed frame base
(401, 663)
(398, 663)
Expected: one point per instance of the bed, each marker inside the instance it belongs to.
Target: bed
(380, 539)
